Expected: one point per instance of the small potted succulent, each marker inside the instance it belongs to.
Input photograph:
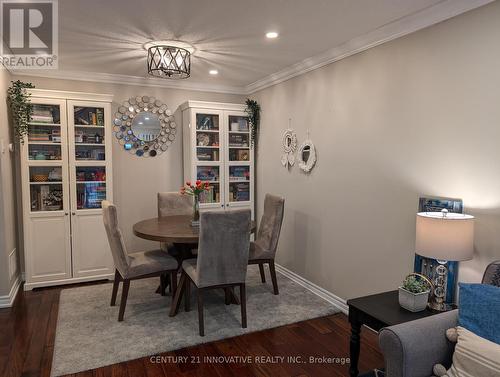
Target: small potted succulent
(414, 293)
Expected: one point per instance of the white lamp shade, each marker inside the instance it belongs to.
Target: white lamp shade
(448, 237)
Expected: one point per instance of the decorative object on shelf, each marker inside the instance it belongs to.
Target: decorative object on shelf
(253, 111)
(195, 191)
(414, 293)
(144, 126)
(427, 266)
(306, 155)
(20, 107)
(203, 139)
(289, 142)
(444, 236)
(169, 62)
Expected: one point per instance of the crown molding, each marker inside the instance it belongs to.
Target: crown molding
(393, 30)
(212, 106)
(61, 94)
(110, 78)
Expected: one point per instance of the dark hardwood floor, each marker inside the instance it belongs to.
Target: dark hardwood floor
(27, 332)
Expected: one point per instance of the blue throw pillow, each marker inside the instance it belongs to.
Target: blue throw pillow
(479, 310)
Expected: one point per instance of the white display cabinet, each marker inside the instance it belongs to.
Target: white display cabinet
(66, 172)
(217, 148)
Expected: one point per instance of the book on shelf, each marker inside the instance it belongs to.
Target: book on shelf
(99, 116)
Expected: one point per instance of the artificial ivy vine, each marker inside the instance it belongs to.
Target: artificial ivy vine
(253, 111)
(20, 107)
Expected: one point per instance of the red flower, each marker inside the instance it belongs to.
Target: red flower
(198, 182)
(188, 183)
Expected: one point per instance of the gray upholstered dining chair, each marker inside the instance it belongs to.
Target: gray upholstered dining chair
(173, 204)
(263, 249)
(132, 266)
(222, 260)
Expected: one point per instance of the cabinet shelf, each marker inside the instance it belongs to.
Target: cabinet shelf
(209, 131)
(43, 143)
(88, 126)
(47, 183)
(44, 124)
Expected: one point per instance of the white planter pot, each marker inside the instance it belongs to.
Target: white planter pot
(414, 302)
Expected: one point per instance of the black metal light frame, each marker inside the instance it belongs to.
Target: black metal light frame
(169, 62)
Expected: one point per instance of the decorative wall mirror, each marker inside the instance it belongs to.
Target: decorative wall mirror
(144, 126)
(289, 142)
(306, 156)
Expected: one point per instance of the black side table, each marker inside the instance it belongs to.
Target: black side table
(376, 311)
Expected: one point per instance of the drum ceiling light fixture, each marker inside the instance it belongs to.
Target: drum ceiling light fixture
(169, 59)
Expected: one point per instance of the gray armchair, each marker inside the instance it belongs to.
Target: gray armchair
(412, 349)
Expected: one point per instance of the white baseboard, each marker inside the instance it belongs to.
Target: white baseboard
(29, 285)
(336, 301)
(8, 300)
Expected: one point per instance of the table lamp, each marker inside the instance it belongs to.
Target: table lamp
(445, 237)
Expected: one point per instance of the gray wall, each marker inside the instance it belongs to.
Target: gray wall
(8, 253)
(136, 181)
(416, 116)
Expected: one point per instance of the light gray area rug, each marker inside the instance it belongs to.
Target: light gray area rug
(89, 335)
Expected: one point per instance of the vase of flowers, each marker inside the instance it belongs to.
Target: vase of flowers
(195, 191)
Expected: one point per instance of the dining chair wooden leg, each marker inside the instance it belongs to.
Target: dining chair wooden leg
(201, 322)
(187, 295)
(174, 309)
(243, 299)
(262, 274)
(123, 301)
(272, 269)
(227, 296)
(116, 284)
(173, 283)
(162, 284)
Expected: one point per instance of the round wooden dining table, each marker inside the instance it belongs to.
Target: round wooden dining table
(172, 229)
(178, 231)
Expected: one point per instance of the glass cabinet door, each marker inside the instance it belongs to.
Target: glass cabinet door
(239, 158)
(208, 139)
(89, 133)
(90, 186)
(44, 133)
(45, 159)
(89, 154)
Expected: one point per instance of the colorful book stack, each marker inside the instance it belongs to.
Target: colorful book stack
(42, 116)
(240, 192)
(239, 173)
(38, 135)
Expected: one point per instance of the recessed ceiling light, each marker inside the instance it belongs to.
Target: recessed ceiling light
(213, 72)
(272, 34)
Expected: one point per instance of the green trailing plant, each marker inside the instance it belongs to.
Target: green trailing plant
(414, 285)
(253, 112)
(21, 108)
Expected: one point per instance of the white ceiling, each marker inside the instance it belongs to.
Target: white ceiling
(106, 37)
